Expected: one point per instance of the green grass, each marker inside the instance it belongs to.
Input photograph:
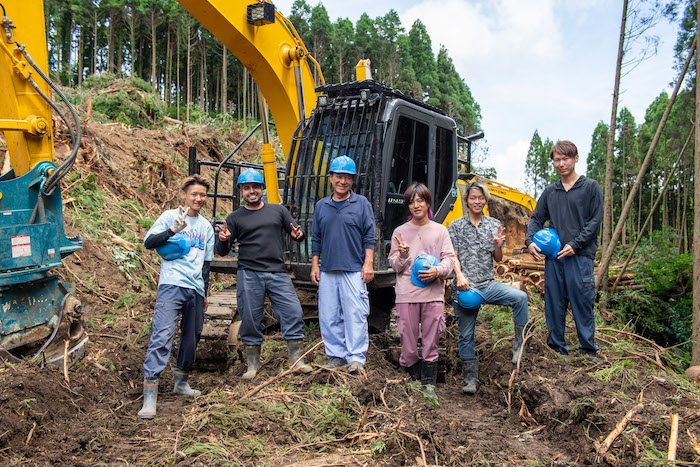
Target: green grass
(622, 371)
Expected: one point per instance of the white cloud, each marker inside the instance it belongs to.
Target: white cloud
(510, 165)
(490, 29)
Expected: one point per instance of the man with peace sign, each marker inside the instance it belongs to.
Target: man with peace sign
(478, 240)
(258, 228)
(182, 287)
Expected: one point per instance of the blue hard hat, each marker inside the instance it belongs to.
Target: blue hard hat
(548, 241)
(176, 247)
(343, 165)
(250, 176)
(470, 299)
(421, 263)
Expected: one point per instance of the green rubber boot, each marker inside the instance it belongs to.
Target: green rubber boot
(470, 373)
(182, 387)
(295, 349)
(252, 356)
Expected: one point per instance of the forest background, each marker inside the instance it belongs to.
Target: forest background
(186, 74)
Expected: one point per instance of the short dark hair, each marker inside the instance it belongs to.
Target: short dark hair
(565, 148)
(195, 179)
(417, 189)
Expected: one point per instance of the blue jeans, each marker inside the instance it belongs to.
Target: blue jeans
(570, 280)
(494, 293)
(251, 287)
(171, 302)
(343, 308)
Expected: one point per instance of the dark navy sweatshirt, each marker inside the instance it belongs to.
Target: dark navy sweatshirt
(574, 214)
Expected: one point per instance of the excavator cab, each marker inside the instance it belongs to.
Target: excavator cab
(394, 140)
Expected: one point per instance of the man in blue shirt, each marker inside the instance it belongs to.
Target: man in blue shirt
(181, 292)
(573, 207)
(343, 236)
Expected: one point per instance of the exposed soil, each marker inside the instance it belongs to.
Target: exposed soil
(554, 410)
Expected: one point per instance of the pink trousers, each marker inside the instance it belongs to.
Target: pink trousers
(426, 319)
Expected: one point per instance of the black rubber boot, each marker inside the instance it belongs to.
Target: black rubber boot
(182, 387)
(429, 378)
(519, 342)
(150, 396)
(295, 349)
(414, 370)
(252, 356)
(470, 373)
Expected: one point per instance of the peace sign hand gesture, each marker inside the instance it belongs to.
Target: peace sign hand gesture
(224, 232)
(404, 247)
(296, 232)
(500, 237)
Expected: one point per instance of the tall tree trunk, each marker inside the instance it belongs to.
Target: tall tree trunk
(607, 198)
(607, 255)
(188, 68)
(93, 69)
(684, 220)
(696, 218)
(132, 39)
(110, 41)
(81, 52)
(696, 223)
(624, 196)
(154, 26)
(651, 211)
(168, 67)
(224, 80)
(178, 91)
(245, 95)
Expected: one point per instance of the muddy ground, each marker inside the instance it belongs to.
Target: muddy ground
(554, 410)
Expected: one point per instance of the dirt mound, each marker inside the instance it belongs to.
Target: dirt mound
(553, 410)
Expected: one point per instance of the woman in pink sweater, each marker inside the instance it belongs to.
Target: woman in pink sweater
(420, 309)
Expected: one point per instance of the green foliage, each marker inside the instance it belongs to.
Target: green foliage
(622, 371)
(661, 311)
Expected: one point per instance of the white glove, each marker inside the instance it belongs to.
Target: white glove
(181, 220)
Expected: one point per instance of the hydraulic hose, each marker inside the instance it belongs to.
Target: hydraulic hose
(61, 171)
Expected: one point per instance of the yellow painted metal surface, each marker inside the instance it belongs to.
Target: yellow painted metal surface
(363, 70)
(270, 53)
(19, 102)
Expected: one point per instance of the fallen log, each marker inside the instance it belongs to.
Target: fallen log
(673, 439)
(601, 449)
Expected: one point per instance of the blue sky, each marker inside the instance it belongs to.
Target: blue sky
(532, 64)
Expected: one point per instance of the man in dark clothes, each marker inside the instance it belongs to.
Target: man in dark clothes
(573, 207)
(258, 228)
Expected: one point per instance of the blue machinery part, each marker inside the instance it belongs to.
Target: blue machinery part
(35, 305)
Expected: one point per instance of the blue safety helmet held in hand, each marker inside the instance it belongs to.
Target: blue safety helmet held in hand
(343, 165)
(250, 176)
(176, 247)
(470, 299)
(548, 241)
(421, 263)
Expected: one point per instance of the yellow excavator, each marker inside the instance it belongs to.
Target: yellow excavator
(39, 314)
(393, 138)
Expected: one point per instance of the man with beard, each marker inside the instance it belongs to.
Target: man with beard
(258, 228)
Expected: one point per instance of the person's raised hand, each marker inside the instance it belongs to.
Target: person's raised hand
(296, 232)
(404, 247)
(180, 222)
(500, 237)
(224, 232)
